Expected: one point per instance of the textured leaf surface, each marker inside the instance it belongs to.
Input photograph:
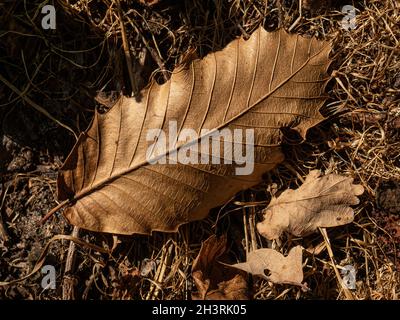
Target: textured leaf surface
(319, 202)
(270, 81)
(281, 269)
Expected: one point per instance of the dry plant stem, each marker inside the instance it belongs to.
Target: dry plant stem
(347, 292)
(335, 75)
(252, 223)
(187, 239)
(366, 258)
(152, 286)
(159, 272)
(125, 43)
(156, 58)
(35, 105)
(3, 230)
(89, 284)
(154, 54)
(298, 18)
(246, 236)
(164, 264)
(280, 12)
(68, 281)
(293, 170)
(54, 210)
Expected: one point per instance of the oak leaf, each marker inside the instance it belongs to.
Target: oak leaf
(114, 179)
(280, 269)
(319, 202)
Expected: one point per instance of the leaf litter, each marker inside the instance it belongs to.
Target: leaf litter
(356, 147)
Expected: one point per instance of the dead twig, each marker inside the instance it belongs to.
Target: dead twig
(346, 291)
(3, 231)
(125, 43)
(68, 292)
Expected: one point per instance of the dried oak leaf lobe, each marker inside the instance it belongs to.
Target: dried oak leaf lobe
(216, 281)
(281, 269)
(319, 202)
(270, 81)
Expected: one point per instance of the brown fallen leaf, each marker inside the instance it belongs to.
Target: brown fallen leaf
(213, 280)
(281, 269)
(320, 202)
(112, 180)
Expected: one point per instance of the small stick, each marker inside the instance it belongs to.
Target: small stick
(68, 281)
(3, 230)
(186, 241)
(150, 293)
(347, 292)
(280, 14)
(166, 263)
(246, 237)
(156, 58)
(252, 223)
(299, 17)
(154, 53)
(293, 170)
(54, 210)
(128, 57)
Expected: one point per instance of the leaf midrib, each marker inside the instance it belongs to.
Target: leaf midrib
(119, 174)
